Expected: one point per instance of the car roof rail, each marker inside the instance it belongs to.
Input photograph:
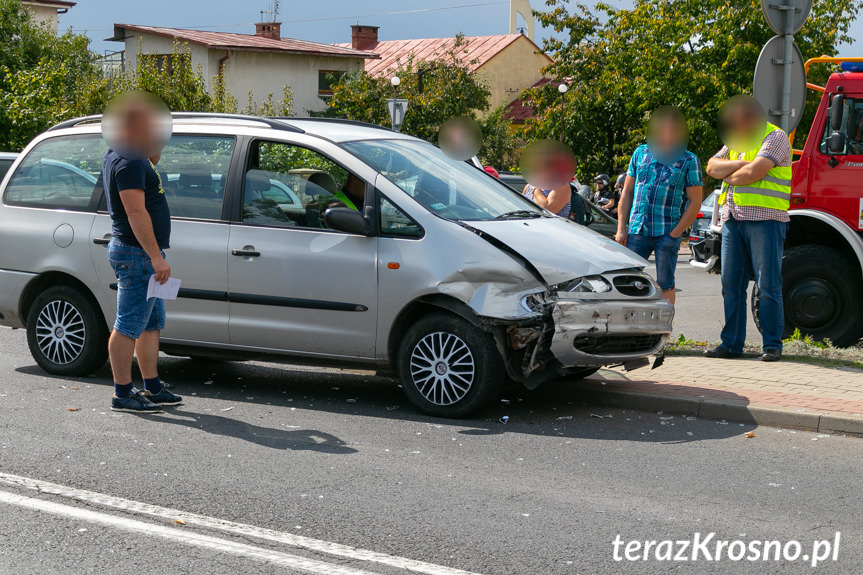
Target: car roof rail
(274, 123)
(336, 120)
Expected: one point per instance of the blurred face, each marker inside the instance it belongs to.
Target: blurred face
(138, 124)
(741, 123)
(547, 164)
(460, 138)
(667, 135)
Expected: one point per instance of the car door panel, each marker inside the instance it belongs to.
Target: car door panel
(294, 286)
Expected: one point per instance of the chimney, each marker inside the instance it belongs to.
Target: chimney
(271, 30)
(364, 37)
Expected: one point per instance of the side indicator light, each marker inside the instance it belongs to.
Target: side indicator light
(393, 265)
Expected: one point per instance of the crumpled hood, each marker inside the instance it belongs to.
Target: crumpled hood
(559, 249)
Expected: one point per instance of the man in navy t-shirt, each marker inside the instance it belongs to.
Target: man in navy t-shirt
(141, 231)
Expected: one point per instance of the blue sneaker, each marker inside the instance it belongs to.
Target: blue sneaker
(135, 403)
(164, 397)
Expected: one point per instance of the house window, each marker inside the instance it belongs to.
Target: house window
(326, 80)
(164, 63)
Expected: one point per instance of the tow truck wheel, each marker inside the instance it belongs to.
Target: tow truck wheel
(820, 296)
(448, 366)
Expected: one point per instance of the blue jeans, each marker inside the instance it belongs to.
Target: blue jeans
(666, 249)
(752, 249)
(135, 313)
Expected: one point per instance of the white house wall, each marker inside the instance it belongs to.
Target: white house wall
(262, 73)
(267, 73)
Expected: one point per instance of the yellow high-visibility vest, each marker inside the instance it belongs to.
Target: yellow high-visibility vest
(772, 191)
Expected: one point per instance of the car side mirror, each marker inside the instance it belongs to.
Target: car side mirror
(588, 219)
(837, 109)
(836, 143)
(346, 220)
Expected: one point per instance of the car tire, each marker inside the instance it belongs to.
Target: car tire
(66, 332)
(819, 297)
(449, 367)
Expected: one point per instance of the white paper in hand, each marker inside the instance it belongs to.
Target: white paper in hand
(167, 290)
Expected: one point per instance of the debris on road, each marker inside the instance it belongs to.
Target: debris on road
(393, 407)
(227, 408)
(750, 434)
(180, 522)
(73, 409)
(504, 419)
(600, 416)
(562, 417)
(208, 382)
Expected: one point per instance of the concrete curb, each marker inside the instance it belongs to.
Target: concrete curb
(737, 412)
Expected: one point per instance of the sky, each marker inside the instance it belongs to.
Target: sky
(325, 21)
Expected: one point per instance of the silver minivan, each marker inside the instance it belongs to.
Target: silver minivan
(446, 276)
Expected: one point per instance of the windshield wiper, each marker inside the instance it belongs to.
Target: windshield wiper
(518, 215)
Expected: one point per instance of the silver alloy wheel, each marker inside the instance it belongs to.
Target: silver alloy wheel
(60, 332)
(442, 368)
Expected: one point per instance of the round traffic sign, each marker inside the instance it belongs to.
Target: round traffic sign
(775, 15)
(767, 87)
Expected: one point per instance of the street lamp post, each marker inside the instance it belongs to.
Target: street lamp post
(397, 106)
(563, 89)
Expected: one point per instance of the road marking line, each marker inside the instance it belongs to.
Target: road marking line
(242, 529)
(179, 535)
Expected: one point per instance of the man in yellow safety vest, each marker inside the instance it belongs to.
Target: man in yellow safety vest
(755, 168)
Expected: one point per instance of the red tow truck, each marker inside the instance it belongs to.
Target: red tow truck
(822, 283)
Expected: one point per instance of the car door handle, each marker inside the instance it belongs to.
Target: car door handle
(102, 241)
(246, 253)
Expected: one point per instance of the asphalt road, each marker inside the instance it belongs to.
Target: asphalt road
(341, 458)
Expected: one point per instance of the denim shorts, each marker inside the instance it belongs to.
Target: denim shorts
(135, 313)
(666, 249)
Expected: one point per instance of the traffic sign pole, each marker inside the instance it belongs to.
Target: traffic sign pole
(787, 61)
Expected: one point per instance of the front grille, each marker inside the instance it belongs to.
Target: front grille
(616, 344)
(633, 286)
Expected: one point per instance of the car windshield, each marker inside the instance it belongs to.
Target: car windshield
(448, 188)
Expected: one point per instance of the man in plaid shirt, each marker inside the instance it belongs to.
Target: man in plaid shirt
(756, 190)
(661, 195)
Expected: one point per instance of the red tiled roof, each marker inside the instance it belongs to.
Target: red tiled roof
(476, 50)
(248, 42)
(56, 3)
(517, 112)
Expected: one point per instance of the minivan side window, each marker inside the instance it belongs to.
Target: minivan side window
(291, 186)
(59, 173)
(194, 170)
(396, 223)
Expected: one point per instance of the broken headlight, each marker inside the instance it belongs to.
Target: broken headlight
(538, 302)
(586, 284)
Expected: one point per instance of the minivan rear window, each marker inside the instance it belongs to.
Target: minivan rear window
(59, 173)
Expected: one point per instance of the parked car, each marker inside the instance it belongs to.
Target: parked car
(6, 160)
(446, 276)
(595, 218)
(701, 225)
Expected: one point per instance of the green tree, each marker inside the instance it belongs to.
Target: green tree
(437, 89)
(623, 63)
(43, 78)
(499, 141)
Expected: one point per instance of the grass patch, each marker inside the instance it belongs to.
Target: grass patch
(798, 348)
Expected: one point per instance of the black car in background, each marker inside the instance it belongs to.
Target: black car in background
(595, 218)
(6, 160)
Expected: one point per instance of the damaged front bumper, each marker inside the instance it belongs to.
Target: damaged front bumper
(609, 332)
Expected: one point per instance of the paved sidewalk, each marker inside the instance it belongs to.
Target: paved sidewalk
(784, 394)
